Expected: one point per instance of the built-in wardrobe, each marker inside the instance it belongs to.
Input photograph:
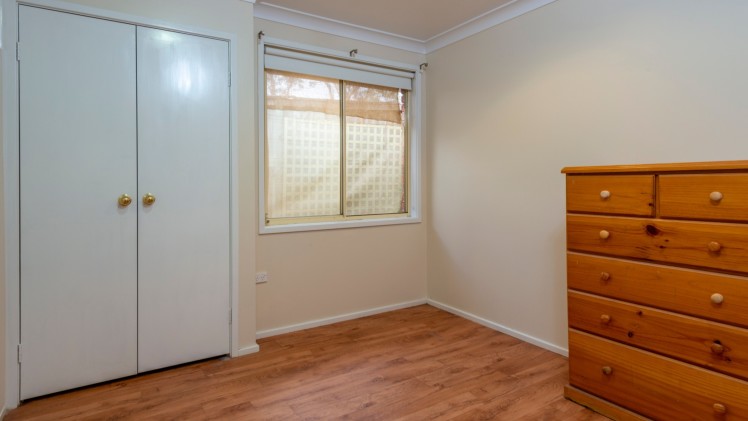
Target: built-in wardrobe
(124, 199)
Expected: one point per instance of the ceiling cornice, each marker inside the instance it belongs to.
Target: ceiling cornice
(487, 20)
(480, 23)
(335, 27)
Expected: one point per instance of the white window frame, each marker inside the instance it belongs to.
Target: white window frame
(414, 139)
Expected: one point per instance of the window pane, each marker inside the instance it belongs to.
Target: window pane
(302, 130)
(375, 150)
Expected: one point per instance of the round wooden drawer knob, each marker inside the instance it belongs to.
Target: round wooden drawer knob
(604, 234)
(715, 196)
(607, 370)
(605, 195)
(714, 246)
(719, 408)
(717, 348)
(605, 319)
(604, 276)
(717, 298)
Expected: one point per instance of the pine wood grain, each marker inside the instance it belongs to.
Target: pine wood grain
(687, 196)
(711, 345)
(721, 166)
(681, 290)
(680, 242)
(655, 386)
(412, 364)
(602, 406)
(628, 194)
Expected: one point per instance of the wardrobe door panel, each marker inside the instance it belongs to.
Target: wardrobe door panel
(77, 156)
(183, 240)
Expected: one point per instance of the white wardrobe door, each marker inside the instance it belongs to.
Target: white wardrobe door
(183, 150)
(78, 246)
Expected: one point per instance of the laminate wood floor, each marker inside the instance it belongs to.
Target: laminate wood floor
(419, 363)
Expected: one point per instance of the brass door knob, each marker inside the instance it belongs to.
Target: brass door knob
(124, 200)
(604, 234)
(149, 199)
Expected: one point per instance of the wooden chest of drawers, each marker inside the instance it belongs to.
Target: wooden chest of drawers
(657, 271)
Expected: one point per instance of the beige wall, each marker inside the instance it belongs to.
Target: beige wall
(235, 17)
(577, 82)
(317, 275)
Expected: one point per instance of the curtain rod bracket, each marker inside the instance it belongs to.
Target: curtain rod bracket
(423, 66)
(353, 52)
(260, 35)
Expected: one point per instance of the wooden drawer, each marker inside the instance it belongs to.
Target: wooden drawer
(690, 196)
(711, 345)
(681, 242)
(626, 194)
(655, 386)
(681, 290)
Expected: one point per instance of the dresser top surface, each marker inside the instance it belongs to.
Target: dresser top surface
(660, 168)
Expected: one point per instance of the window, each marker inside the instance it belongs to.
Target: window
(337, 142)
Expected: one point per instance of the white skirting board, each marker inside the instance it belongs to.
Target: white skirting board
(350, 316)
(501, 328)
(330, 320)
(246, 351)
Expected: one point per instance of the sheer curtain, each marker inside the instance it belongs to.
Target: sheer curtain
(375, 149)
(303, 147)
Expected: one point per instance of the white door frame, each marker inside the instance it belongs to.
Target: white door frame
(10, 144)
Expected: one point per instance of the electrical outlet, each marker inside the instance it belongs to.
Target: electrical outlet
(262, 277)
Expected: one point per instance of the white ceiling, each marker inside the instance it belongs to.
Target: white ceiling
(419, 20)
(415, 25)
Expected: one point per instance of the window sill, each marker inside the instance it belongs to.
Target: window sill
(320, 226)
